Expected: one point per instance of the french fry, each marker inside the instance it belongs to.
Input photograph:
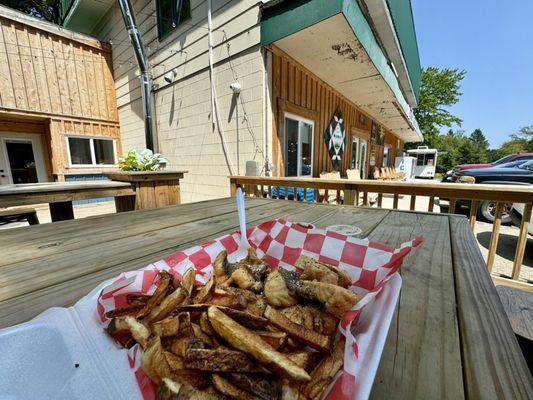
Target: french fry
(324, 372)
(226, 388)
(242, 339)
(188, 281)
(315, 340)
(168, 326)
(220, 360)
(167, 305)
(302, 358)
(205, 292)
(258, 385)
(165, 279)
(122, 312)
(137, 299)
(275, 339)
(154, 362)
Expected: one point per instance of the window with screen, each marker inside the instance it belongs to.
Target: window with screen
(171, 13)
(298, 146)
(91, 151)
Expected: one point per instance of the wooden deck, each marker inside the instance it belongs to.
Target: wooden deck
(450, 337)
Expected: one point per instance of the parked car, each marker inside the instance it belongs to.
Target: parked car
(518, 175)
(503, 162)
(517, 211)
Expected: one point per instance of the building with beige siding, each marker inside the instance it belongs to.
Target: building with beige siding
(298, 63)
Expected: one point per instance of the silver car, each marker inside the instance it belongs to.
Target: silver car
(516, 213)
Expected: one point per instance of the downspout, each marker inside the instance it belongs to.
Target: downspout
(142, 61)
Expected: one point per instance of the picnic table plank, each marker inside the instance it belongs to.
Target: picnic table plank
(64, 292)
(421, 358)
(518, 305)
(493, 366)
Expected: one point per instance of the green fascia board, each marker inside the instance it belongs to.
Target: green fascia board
(402, 18)
(290, 17)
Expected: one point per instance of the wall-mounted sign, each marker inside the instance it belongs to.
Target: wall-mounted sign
(334, 136)
(372, 161)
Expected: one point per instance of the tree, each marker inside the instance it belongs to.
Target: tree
(521, 141)
(476, 149)
(440, 88)
(49, 10)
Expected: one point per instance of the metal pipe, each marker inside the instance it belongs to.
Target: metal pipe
(142, 61)
(211, 72)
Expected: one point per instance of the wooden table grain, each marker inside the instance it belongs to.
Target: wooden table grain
(449, 339)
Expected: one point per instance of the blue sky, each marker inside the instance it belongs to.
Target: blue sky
(493, 41)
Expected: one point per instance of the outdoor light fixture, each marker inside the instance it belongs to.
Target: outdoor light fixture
(236, 87)
(170, 76)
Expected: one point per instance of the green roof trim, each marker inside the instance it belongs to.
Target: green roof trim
(402, 18)
(290, 17)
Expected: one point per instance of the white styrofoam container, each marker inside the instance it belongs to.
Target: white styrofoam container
(64, 353)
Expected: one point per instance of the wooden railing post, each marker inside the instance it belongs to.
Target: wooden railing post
(431, 203)
(380, 200)
(522, 240)
(473, 213)
(233, 187)
(493, 245)
(395, 202)
(413, 203)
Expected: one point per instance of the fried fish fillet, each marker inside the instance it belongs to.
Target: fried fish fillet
(277, 293)
(336, 300)
(322, 272)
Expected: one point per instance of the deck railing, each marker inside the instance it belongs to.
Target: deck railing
(350, 193)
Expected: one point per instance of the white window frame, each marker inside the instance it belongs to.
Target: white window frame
(299, 153)
(93, 156)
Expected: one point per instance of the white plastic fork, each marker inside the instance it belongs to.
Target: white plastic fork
(241, 211)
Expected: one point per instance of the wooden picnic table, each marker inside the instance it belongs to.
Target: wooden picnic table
(60, 195)
(450, 337)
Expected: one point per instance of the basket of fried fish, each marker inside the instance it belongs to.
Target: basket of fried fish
(250, 332)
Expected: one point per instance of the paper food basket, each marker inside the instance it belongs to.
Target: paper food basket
(64, 353)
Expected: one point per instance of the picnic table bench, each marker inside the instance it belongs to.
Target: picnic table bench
(449, 339)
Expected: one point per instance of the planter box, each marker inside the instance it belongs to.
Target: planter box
(153, 189)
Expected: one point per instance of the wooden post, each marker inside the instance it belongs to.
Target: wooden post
(473, 212)
(395, 202)
(349, 197)
(326, 197)
(431, 203)
(493, 245)
(522, 240)
(338, 197)
(365, 199)
(451, 208)
(61, 211)
(413, 202)
(380, 200)
(233, 188)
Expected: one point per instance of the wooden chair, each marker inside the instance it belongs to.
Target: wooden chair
(18, 214)
(353, 175)
(332, 195)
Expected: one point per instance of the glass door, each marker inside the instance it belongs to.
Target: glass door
(21, 159)
(298, 146)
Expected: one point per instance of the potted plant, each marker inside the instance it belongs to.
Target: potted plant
(144, 160)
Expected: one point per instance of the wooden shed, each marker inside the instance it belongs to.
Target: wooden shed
(58, 114)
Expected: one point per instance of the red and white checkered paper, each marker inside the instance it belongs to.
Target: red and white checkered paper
(369, 264)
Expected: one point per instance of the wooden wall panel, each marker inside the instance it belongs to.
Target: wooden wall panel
(296, 88)
(46, 73)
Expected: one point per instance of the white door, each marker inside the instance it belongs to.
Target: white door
(363, 157)
(21, 159)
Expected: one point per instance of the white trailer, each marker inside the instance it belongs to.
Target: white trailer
(426, 160)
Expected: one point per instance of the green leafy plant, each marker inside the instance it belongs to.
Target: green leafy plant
(143, 160)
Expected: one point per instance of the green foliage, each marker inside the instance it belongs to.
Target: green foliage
(440, 88)
(48, 10)
(456, 148)
(144, 160)
(521, 141)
